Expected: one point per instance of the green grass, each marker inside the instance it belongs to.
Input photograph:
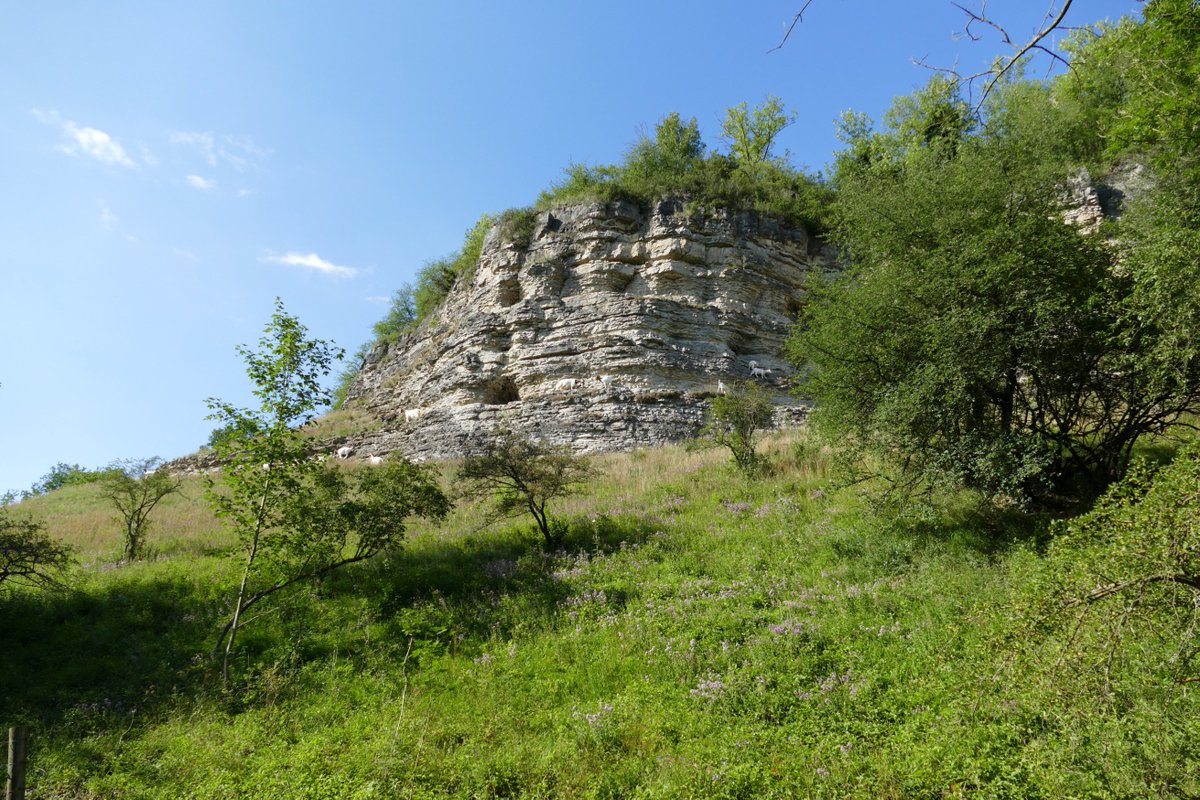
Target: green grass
(699, 635)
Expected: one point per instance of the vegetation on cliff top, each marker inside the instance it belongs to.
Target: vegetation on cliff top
(675, 162)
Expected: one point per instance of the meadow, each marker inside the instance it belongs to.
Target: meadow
(700, 634)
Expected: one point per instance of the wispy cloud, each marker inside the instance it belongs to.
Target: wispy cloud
(148, 158)
(311, 261)
(107, 218)
(240, 152)
(201, 142)
(197, 182)
(84, 141)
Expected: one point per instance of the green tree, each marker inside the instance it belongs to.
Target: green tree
(296, 519)
(979, 339)
(27, 555)
(667, 163)
(735, 418)
(522, 475)
(63, 474)
(751, 132)
(401, 316)
(134, 488)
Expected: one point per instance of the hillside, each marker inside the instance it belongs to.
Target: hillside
(698, 636)
(974, 571)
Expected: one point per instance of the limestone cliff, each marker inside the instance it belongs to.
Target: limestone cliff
(665, 301)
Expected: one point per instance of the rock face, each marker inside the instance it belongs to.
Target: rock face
(610, 329)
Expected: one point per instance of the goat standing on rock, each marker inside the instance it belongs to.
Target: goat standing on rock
(565, 385)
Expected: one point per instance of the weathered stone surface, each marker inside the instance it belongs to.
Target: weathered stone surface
(666, 302)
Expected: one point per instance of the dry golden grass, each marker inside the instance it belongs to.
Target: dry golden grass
(83, 518)
(342, 422)
(183, 524)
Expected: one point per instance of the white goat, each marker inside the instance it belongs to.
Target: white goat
(375, 460)
(566, 384)
(412, 414)
(721, 387)
(753, 364)
(759, 372)
(607, 380)
(344, 452)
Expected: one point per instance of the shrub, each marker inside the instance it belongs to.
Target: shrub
(523, 475)
(27, 555)
(733, 419)
(62, 474)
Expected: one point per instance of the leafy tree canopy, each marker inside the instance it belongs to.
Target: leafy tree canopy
(981, 340)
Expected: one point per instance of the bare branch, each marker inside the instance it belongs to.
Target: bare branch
(1032, 44)
(1053, 21)
(798, 18)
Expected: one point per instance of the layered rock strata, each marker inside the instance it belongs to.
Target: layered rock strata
(610, 329)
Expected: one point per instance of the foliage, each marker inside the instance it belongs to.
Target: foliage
(345, 378)
(224, 434)
(517, 225)
(134, 488)
(733, 419)
(63, 474)
(266, 466)
(980, 340)
(435, 279)
(751, 133)
(1120, 595)
(522, 475)
(401, 317)
(27, 555)
(674, 164)
(296, 519)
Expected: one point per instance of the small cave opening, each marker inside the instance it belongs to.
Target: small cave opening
(793, 308)
(508, 292)
(500, 391)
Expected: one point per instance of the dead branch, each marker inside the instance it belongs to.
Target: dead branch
(1052, 22)
(798, 18)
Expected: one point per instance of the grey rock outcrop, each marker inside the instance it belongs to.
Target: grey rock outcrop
(666, 302)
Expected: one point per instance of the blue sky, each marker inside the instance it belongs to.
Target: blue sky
(168, 169)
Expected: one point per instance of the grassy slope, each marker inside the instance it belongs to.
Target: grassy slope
(700, 636)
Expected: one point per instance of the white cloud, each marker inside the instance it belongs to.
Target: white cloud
(182, 253)
(107, 218)
(312, 261)
(245, 192)
(95, 143)
(91, 142)
(197, 182)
